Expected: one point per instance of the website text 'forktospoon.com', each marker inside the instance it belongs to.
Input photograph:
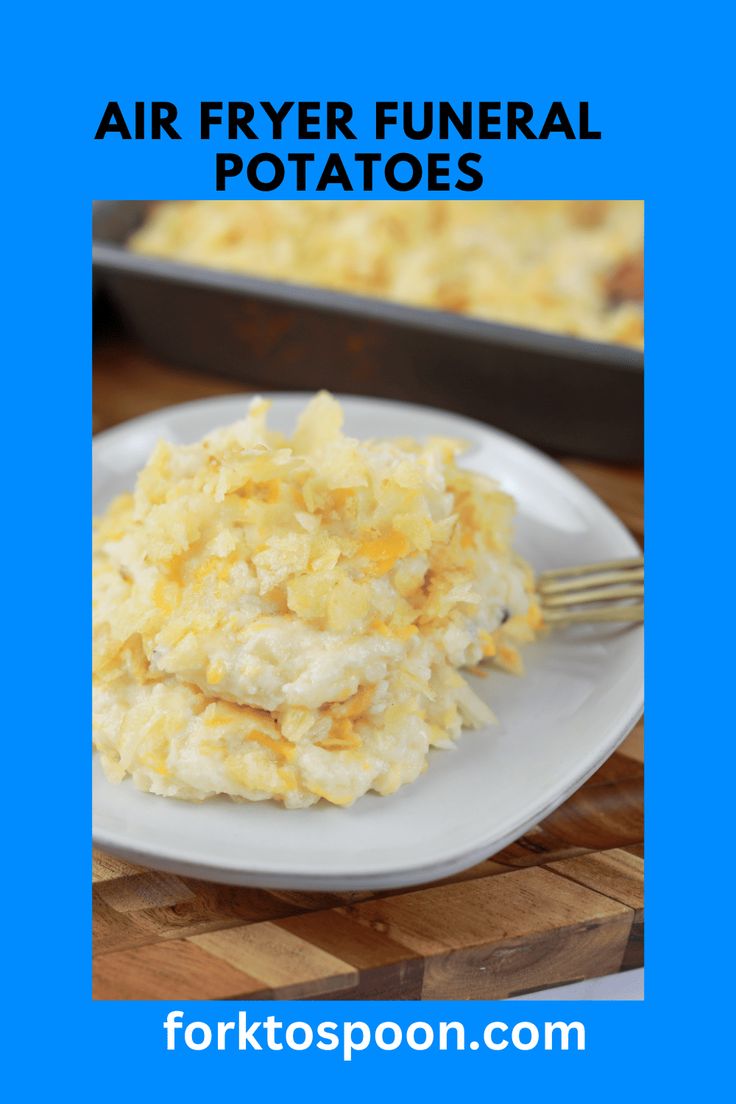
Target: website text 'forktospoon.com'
(350, 1037)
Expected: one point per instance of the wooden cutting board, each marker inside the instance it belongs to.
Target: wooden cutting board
(561, 904)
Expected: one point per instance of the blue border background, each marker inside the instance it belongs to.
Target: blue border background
(656, 83)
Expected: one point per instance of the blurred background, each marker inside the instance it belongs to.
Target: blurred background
(528, 315)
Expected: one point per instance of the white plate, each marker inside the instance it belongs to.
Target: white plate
(581, 694)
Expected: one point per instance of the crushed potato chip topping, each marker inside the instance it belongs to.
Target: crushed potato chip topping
(285, 619)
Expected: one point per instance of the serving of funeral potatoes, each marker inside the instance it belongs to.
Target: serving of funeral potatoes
(289, 618)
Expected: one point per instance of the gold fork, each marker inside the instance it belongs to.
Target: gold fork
(593, 592)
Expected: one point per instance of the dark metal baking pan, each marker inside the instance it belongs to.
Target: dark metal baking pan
(561, 393)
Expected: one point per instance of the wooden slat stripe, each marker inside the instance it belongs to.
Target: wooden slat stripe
(106, 867)
(144, 891)
(520, 932)
(386, 969)
(481, 912)
(289, 966)
(616, 873)
(620, 875)
(494, 937)
(177, 970)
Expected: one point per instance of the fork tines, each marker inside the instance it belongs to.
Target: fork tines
(608, 590)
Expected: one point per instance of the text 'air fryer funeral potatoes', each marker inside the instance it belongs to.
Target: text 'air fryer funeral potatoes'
(572, 267)
(287, 618)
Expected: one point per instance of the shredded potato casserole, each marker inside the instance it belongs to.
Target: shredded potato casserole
(288, 618)
(568, 267)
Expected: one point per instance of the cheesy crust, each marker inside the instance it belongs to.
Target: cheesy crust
(287, 618)
(562, 266)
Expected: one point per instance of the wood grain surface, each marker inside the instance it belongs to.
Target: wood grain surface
(561, 904)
